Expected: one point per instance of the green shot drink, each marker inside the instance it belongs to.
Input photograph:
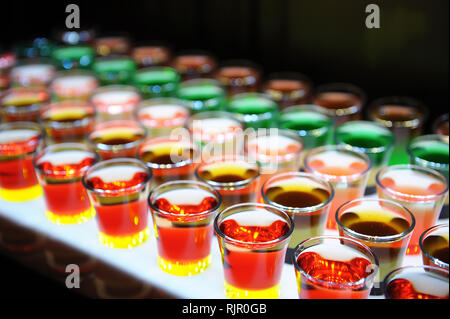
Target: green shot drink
(431, 151)
(115, 70)
(368, 137)
(405, 117)
(311, 122)
(157, 82)
(256, 110)
(202, 95)
(74, 57)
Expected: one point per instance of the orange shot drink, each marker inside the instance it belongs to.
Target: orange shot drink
(32, 73)
(73, 85)
(19, 141)
(115, 102)
(169, 158)
(421, 190)
(288, 88)
(434, 246)
(194, 65)
(253, 240)
(346, 169)
(383, 225)
(305, 198)
(239, 76)
(118, 190)
(329, 267)
(67, 121)
(59, 169)
(232, 176)
(120, 138)
(417, 282)
(161, 116)
(276, 151)
(23, 104)
(183, 214)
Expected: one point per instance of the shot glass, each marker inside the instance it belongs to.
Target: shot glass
(219, 133)
(73, 85)
(421, 190)
(23, 104)
(161, 116)
(202, 95)
(253, 239)
(343, 101)
(431, 151)
(405, 117)
(305, 198)
(114, 70)
(256, 110)
(434, 246)
(347, 170)
(115, 102)
(195, 65)
(32, 73)
(235, 178)
(333, 267)
(383, 225)
(67, 121)
(183, 214)
(71, 57)
(157, 81)
(417, 282)
(170, 159)
(19, 141)
(276, 151)
(288, 88)
(370, 138)
(239, 76)
(59, 169)
(118, 189)
(120, 138)
(311, 122)
(151, 55)
(440, 126)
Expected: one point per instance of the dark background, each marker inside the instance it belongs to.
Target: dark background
(324, 39)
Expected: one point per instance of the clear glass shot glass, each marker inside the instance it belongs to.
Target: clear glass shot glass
(118, 189)
(253, 240)
(333, 267)
(183, 213)
(434, 246)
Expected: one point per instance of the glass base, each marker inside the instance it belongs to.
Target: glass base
(21, 195)
(232, 292)
(184, 268)
(124, 241)
(70, 219)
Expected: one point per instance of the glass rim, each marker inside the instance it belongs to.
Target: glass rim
(376, 239)
(114, 87)
(67, 104)
(64, 146)
(157, 140)
(423, 138)
(367, 150)
(335, 178)
(299, 210)
(443, 273)
(156, 68)
(223, 186)
(279, 158)
(23, 124)
(257, 205)
(423, 236)
(401, 101)
(199, 185)
(425, 170)
(374, 261)
(119, 147)
(308, 108)
(113, 162)
(261, 95)
(26, 108)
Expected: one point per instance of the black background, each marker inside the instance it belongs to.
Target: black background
(326, 40)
